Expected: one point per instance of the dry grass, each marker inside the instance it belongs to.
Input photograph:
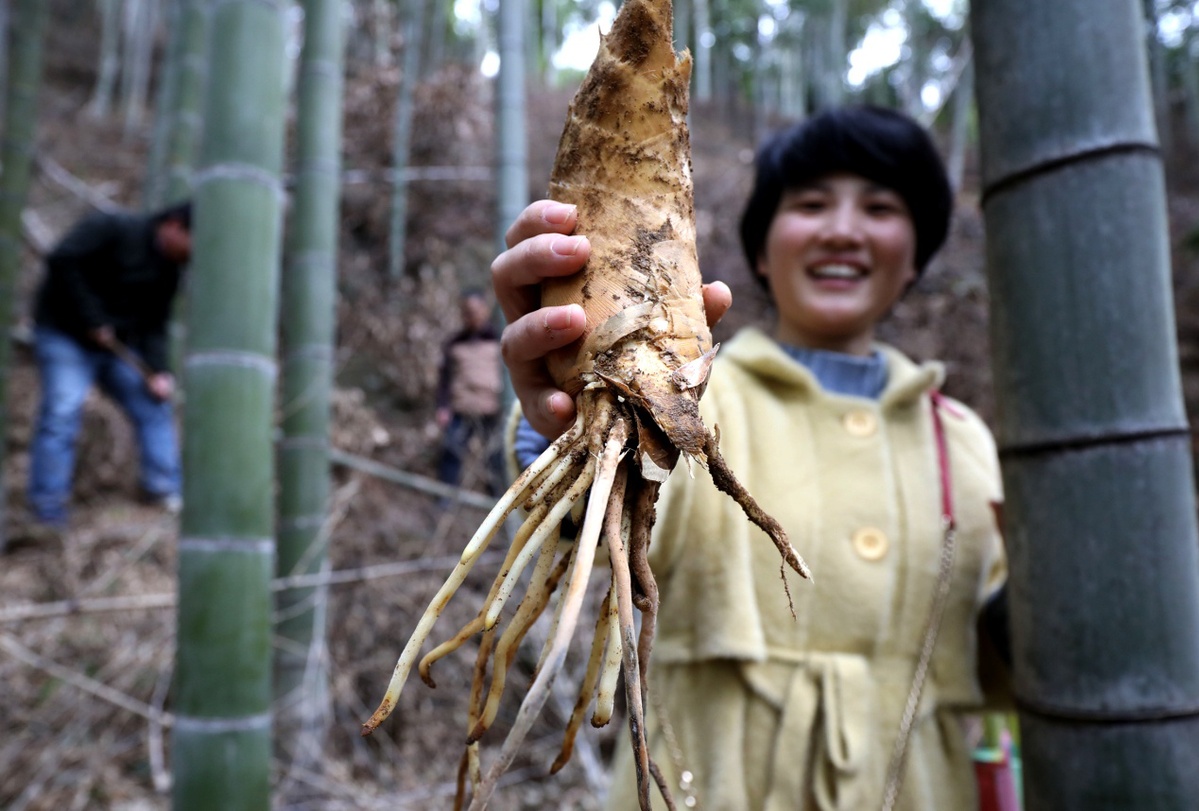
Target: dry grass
(87, 699)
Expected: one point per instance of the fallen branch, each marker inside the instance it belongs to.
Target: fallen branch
(92, 605)
(159, 773)
(36, 232)
(98, 605)
(411, 480)
(62, 177)
(77, 680)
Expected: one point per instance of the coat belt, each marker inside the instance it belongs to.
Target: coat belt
(827, 725)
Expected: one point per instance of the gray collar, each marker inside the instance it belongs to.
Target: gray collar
(839, 373)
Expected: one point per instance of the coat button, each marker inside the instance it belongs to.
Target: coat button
(870, 543)
(860, 423)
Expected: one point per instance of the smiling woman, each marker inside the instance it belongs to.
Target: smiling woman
(838, 253)
(887, 486)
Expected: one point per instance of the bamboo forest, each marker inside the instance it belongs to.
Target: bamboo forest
(246, 259)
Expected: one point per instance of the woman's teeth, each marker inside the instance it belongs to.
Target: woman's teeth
(836, 272)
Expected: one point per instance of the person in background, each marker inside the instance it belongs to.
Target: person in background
(858, 700)
(469, 393)
(101, 317)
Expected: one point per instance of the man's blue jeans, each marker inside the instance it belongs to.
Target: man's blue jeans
(68, 370)
(456, 446)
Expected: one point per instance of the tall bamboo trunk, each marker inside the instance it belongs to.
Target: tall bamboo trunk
(186, 124)
(381, 14)
(110, 56)
(414, 22)
(187, 108)
(512, 192)
(221, 740)
(838, 53)
(435, 45)
(1100, 509)
(682, 25)
(1159, 76)
(139, 26)
(793, 91)
(512, 150)
(959, 133)
(24, 77)
(309, 291)
(5, 49)
(154, 186)
(1189, 71)
(705, 43)
(550, 42)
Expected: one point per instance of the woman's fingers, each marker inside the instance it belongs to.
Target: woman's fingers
(525, 343)
(541, 217)
(550, 411)
(540, 246)
(517, 272)
(717, 300)
(533, 336)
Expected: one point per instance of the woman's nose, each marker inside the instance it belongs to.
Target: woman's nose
(844, 223)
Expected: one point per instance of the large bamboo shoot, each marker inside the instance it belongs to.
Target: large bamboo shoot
(637, 374)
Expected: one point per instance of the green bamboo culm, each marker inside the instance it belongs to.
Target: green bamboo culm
(187, 99)
(512, 152)
(414, 20)
(511, 113)
(308, 317)
(154, 183)
(189, 82)
(1100, 513)
(221, 739)
(24, 77)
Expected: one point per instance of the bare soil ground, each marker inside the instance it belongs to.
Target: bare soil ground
(86, 619)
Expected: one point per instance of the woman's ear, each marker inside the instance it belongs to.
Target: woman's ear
(910, 278)
(760, 265)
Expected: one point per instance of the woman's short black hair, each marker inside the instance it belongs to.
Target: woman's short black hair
(876, 143)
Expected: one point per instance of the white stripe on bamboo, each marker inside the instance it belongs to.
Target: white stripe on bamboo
(218, 726)
(256, 546)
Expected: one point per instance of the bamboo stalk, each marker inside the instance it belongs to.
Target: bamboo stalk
(188, 103)
(25, 71)
(221, 741)
(308, 315)
(1098, 466)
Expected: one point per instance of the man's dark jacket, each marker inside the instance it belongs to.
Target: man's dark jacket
(108, 271)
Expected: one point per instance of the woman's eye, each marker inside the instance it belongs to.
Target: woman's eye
(881, 208)
(808, 204)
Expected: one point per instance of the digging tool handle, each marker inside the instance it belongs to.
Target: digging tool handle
(118, 348)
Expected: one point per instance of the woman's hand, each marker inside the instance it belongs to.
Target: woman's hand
(541, 245)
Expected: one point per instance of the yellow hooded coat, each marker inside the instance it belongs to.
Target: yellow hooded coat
(771, 712)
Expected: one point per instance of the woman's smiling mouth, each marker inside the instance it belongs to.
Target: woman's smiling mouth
(837, 272)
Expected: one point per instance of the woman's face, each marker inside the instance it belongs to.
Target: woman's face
(838, 254)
